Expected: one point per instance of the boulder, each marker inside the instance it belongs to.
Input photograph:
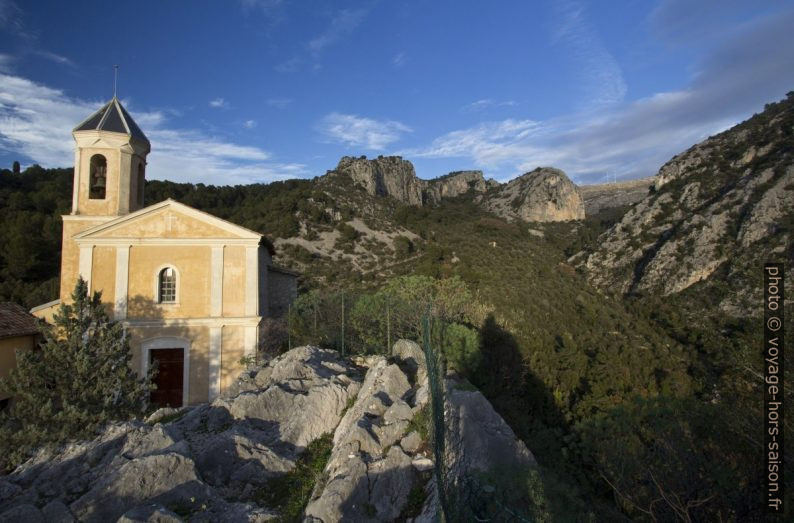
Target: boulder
(412, 355)
(22, 514)
(369, 476)
(149, 513)
(477, 436)
(167, 478)
(543, 195)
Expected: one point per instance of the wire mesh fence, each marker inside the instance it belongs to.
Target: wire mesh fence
(370, 323)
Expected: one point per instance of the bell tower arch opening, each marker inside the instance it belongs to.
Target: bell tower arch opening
(98, 177)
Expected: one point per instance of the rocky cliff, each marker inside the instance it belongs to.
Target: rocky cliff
(610, 195)
(458, 183)
(394, 177)
(543, 195)
(384, 176)
(716, 213)
(225, 460)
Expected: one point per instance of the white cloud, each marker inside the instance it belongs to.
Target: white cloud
(6, 63)
(249, 124)
(279, 103)
(219, 103)
(343, 23)
(751, 67)
(487, 103)
(357, 131)
(54, 57)
(600, 76)
(289, 66)
(262, 5)
(398, 60)
(36, 121)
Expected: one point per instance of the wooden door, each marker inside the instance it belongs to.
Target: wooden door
(169, 378)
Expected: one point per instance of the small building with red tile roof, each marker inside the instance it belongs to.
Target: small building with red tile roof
(18, 331)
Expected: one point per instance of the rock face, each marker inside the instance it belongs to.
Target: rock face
(716, 213)
(211, 463)
(477, 440)
(394, 177)
(369, 475)
(611, 195)
(207, 465)
(543, 195)
(384, 176)
(458, 183)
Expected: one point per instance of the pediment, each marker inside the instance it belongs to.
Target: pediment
(168, 220)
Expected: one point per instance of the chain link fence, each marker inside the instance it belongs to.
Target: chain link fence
(360, 323)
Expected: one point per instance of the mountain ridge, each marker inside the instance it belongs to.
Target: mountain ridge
(712, 211)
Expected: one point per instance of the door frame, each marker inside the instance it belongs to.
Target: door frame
(169, 342)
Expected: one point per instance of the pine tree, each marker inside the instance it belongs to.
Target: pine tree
(78, 380)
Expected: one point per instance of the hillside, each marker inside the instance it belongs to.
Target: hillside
(715, 213)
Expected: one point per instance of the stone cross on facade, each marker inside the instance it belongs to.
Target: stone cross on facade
(170, 219)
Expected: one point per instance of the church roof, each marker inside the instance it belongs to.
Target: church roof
(114, 118)
(16, 321)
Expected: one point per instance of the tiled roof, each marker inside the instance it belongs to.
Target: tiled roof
(114, 118)
(16, 321)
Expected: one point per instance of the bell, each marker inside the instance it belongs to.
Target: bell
(100, 182)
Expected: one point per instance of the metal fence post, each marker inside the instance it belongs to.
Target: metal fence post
(388, 326)
(343, 323)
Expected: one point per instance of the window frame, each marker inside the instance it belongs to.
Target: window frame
(157, 285)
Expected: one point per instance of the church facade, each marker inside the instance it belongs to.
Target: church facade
(191, 289)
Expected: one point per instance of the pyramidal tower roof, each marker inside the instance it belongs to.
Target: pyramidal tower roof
(114, 118)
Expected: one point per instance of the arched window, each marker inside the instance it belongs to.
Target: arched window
(98, 177)
(141, 182)
(166, 285)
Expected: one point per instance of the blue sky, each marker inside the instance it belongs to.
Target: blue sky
(247, 91)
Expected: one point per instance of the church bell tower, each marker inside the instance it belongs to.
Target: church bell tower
(109, 163)
(109, 176)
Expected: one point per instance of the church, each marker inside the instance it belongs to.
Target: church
(191, 289)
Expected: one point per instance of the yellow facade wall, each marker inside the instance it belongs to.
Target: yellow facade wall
(192, 264)
(165, 224)
(8, 359)
(232, 350)
(70, 252)
(47, 313)
(103, 274)
(198, 390)
(234, 281)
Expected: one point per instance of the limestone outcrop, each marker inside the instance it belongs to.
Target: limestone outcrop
(394, 177)
(212, 462)
(384, 176)
(457, 183)
(206, 465)
(543, 195)
(716, 213)
(611, 195)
